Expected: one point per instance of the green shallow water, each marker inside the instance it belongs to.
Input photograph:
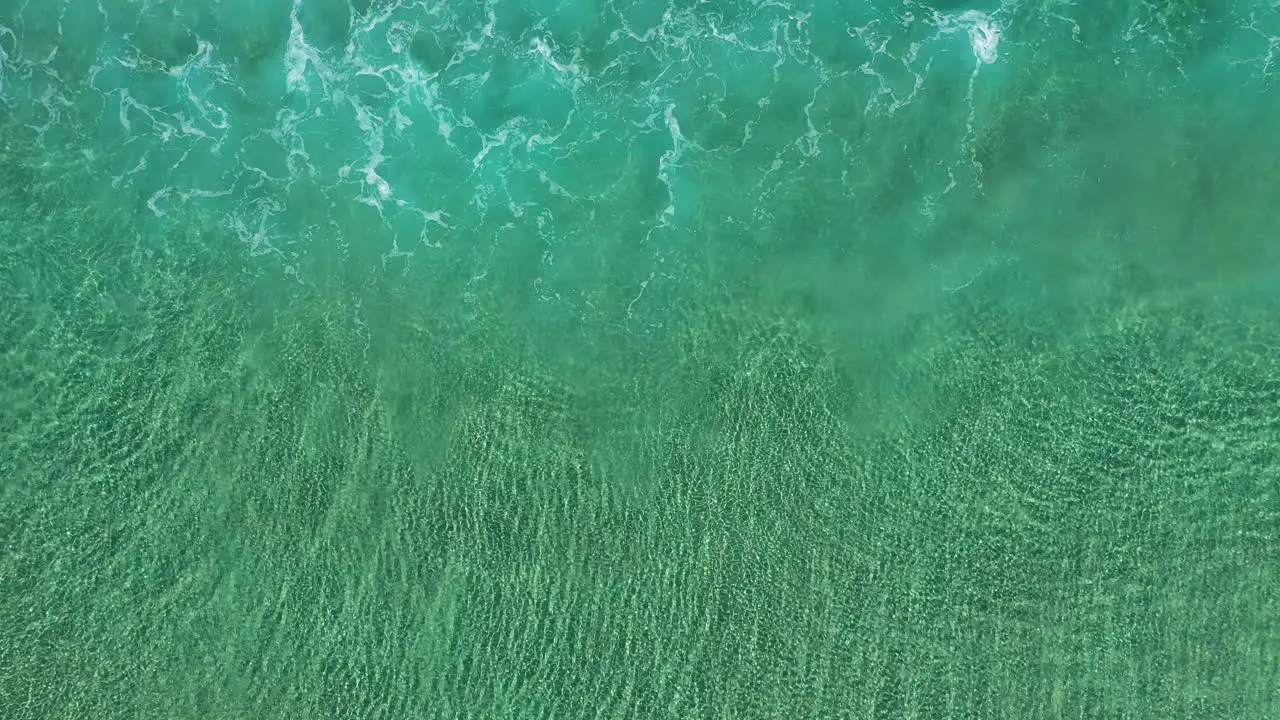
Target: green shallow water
(639, 360)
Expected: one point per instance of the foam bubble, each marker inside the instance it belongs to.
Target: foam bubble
(984, 35)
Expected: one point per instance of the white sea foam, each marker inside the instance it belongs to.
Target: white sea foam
(984, 32)
(984, 35)
(4, 57)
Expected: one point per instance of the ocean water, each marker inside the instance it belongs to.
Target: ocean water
(639, 359)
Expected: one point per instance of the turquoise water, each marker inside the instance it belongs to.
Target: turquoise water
(363, 359)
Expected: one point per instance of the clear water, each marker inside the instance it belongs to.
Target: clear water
(363, 359)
